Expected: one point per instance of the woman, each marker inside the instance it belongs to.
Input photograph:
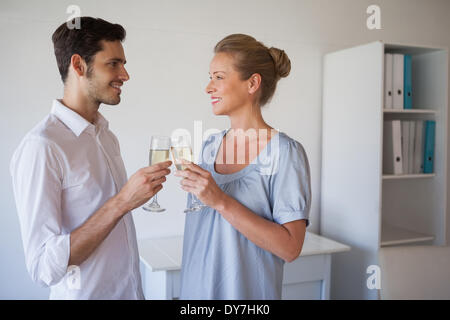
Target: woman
(258, 202)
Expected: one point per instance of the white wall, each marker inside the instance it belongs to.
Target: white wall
(168, 47)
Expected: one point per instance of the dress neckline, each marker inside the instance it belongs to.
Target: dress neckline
(224, 178)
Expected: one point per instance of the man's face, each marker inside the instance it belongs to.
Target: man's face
(107, 73)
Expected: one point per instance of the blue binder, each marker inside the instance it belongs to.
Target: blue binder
(429, 146)
(407, 83)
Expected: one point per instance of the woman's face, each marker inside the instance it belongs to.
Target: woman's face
(228, 92)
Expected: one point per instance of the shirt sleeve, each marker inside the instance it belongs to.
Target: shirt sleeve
(37, 183)
(291, 185)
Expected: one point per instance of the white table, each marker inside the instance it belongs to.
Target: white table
(307, 277)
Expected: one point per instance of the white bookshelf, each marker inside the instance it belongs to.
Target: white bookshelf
(408, 176)
(406, 111)
(393, 235)
(361, 206)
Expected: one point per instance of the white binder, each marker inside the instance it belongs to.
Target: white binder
(405, 145)
(418, 148)
(388, 66)
(397, 80)
(412, 133)
(392, 147)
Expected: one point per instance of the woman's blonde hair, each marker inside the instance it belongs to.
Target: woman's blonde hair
(250, 57)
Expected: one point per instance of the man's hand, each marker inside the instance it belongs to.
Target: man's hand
(142, 185)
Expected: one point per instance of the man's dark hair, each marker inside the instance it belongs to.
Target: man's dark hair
(84, 41)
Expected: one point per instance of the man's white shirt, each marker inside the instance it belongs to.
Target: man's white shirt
(63, 171)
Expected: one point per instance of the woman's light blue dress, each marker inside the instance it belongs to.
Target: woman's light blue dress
(218, 261)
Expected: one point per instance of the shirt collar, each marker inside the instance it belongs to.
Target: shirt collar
(75, 122)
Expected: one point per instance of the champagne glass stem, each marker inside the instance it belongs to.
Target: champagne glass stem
(196, 204)
(189, 209)
(154, 205)
(155, 200)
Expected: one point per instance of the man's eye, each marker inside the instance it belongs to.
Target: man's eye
(113, 64)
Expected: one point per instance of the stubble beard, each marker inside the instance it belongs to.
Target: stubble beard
(99, 94)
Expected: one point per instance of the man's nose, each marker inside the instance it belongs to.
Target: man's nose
(124, 76)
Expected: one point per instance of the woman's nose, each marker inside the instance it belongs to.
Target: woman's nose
(209, 88)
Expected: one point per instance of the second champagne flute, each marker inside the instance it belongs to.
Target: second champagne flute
(159, 152)
(181, 150)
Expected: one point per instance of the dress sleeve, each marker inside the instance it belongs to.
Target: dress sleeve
(37, 183)
(291, 185)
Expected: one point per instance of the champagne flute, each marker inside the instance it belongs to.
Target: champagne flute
(159, 152)
(181, 150)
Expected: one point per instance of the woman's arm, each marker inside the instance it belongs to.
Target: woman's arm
(285, 241)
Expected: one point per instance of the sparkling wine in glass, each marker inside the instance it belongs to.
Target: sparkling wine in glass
(181, 150)
(159, 152)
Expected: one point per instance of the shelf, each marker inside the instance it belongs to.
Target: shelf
(391, 235)
(354, 86)
(408, 176)
(414, 111)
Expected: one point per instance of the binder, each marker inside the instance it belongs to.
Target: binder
(418, 148)
(392, 147)
(428, 161)
(388, 65)
(407, 79)
(397, 81)
(405, 145)
(412, 128)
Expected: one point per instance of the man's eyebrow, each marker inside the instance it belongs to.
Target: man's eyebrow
(117, 60)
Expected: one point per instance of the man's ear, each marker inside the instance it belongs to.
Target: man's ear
(254, 83)
(78, 64)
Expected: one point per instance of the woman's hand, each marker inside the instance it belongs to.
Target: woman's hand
(200, 182)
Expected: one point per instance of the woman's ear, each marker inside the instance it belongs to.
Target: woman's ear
(253, 83)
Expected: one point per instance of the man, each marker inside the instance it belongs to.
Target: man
(72, 194)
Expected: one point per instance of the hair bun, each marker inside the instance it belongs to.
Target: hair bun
(282, 62)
